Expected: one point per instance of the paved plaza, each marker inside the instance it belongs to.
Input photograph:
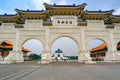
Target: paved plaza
(33, 71)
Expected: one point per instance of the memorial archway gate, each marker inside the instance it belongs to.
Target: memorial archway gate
(61, 21)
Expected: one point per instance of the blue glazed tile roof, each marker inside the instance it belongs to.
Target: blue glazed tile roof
(54, 5)
(116, 16)
(58, 51)
(30, 10)
(33, 10)
(65, 6)
(9, 15)
(99, 11)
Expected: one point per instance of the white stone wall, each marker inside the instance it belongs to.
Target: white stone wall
(95, 24)
(7, 27)
(33, 24)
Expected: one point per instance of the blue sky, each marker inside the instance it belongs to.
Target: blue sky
(8, 6)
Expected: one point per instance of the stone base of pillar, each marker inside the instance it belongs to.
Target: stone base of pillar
(85, 58)
(13, 57)
(1, 59)
(117, 56)
(109, 57)
(46, 58)
(112, 57)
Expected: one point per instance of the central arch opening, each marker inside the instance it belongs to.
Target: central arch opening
(65, 49)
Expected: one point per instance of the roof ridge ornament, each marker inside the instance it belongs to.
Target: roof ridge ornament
(99, 10)
(54, 4)
(28, 10)
(5, 13)
(73, 4)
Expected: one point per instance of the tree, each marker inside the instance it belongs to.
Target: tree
(34, 56)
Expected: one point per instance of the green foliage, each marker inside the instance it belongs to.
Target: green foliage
(34, 56)
(1, 50)
(118, 49)
(73, 57)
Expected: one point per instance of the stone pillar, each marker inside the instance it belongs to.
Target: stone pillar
(112, 41)
(111, 54)
(17, 40)
(15, 55)
(46, 55)
(82, 40)
(84, 54)
(81, 55)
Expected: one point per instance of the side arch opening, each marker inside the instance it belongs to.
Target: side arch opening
(32, 49)
(97, 49)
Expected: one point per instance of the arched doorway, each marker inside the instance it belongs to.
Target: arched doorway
(64, 49)
(5, 47)
(118, 46)
(97, 49)
(32, 49)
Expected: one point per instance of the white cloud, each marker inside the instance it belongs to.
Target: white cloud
(39, 3)
(117, 12)
(62, 2)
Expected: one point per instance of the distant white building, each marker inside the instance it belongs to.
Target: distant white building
(58, 55)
